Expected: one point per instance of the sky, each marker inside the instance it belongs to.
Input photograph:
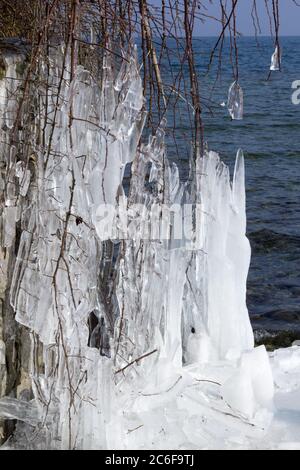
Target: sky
(289, 17)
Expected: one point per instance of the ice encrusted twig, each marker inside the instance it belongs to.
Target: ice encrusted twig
(136, 361)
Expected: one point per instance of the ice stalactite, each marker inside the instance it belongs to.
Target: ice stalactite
(235, 102)
(276, 60)
(127, 323)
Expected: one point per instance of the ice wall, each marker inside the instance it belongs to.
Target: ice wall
(121, 318)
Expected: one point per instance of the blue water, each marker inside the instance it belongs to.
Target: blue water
(270, 138)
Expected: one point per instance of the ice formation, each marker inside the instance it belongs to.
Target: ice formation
(275, 60)
(140, 336)
(235, 103)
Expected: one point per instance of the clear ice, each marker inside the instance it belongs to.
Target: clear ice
(275, 60)
(235, 103)
(146, 340)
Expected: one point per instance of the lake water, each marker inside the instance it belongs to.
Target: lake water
(270, 138)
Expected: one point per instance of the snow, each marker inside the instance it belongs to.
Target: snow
(147, 342)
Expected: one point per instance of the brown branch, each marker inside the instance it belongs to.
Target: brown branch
(136, 361)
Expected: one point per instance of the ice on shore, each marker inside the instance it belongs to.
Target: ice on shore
(188, 409)
(145, 332)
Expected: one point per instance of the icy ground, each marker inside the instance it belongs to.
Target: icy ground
(284, 433)
(220, 407)
(209, 407)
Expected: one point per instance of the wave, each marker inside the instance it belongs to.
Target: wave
(265, 241)
(275, 339)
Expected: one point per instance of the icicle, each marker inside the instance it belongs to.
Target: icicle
(235, 102)
(275, 60)
(24, 177)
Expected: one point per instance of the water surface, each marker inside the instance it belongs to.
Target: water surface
(270, 138)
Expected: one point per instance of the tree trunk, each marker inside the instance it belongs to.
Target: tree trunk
(14, 339)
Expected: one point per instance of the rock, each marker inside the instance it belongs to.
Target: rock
(276, 339)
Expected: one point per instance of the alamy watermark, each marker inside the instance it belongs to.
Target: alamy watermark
(181, 224)
(296, 93)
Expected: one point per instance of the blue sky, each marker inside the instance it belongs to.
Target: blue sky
(289, 14)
